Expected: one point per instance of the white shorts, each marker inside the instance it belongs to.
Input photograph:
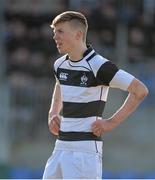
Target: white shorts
(74, 163)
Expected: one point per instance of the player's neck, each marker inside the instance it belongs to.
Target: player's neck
(77, 53)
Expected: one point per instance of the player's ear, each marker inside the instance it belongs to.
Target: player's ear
(79, 35)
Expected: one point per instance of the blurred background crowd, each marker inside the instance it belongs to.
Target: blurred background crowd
(120, 30)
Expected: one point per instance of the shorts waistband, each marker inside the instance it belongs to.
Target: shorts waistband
(78, 136)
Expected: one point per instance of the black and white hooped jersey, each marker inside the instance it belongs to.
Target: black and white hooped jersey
(84, 88)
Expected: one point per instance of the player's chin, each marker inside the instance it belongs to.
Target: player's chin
(62, 51)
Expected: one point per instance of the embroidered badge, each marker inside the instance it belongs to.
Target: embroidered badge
(63, 76)
(84, 80)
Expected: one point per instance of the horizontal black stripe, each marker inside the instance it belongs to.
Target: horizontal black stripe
(82, 110)
(106, 72)
(78, 136)
(76, 77)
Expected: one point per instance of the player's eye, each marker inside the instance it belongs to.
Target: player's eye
(60, 31)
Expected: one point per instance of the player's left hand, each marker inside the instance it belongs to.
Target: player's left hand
(100, 127)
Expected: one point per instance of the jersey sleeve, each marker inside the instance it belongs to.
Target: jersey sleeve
(121, 80)
(105, 73)
(55, 72)
(108, 74)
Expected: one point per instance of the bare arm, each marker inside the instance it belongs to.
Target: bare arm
(56, 105)
(137, 91)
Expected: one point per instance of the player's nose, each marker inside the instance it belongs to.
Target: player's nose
(55, 36)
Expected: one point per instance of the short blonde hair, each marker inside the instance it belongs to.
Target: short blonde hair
(76, 18)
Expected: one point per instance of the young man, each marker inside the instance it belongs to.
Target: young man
(83, 78)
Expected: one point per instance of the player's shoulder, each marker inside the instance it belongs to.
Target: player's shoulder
(59, 61)
(98, 60)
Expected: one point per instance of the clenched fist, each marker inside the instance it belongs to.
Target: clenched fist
(100, 127)
(54, 124)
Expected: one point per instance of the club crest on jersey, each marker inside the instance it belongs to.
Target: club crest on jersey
(63, 76)
(84, 80)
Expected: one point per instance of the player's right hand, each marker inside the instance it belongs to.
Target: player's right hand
(54, 124)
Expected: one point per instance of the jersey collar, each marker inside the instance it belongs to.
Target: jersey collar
(86, 54)
(90, 48)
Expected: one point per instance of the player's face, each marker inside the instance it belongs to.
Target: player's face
(65, 37)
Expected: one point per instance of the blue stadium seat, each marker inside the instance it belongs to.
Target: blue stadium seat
(20, 173)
